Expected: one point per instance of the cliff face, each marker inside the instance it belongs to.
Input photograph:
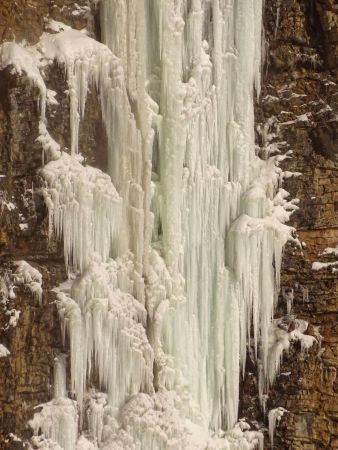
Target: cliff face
(26, 375)
(298, 111)
(300, 104)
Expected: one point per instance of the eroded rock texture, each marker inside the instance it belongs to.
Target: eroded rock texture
(299, 105)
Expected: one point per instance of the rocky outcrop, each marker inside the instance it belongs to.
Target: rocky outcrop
(299, 112)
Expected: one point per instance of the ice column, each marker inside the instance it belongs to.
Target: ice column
(214, 202)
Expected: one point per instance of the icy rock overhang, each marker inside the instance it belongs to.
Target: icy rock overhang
(84, 208)
(24, 62)
(28, 275)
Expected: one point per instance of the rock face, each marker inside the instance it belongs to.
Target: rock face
(299, 104)
(26, 375)
(298, 111)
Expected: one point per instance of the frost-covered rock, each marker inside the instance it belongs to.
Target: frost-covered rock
(324, 265)
(282, 333)
(28, 275)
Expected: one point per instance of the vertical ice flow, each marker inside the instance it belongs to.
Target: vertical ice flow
(193, 218)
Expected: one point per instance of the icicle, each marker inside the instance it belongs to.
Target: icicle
(90, 64)
(60, 389)
(279, 340)
(84, 209)
(274, 416)
(288, 298)
(57, 421)
(106, 328)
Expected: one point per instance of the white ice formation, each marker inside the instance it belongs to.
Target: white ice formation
(274, 418)
(22, 61)
(332, 251)
(282, 333)
(174, 255)
(57, 419)
(29, 276)
(84, 208)
(4, 351)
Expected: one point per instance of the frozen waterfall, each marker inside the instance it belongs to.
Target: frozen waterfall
(174, 254)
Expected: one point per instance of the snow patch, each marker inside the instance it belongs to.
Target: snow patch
(4, 351)
(29, 276)
(24, 61)
(321, 265)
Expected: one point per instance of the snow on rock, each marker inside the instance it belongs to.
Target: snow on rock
(4, 351)
(9, 205)
(302, 119)
(13, 317)
(281, 334)
(321, 265)
(87, 63)
(51, 149)
(7, 292)
(324, 265)
(331, 251)
(43, 443)
(84, 207)
(24, 61)
(56, 26)
(27, 275)
(81, 10)
(7, 288)
(14, 437)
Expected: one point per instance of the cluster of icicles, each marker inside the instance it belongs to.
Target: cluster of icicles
(174, 255)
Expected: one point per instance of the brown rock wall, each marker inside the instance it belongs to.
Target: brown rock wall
(24, 19)
(299, 99)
